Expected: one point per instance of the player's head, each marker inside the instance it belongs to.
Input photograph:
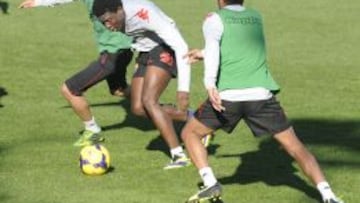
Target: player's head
(222, 3)
(110, 13)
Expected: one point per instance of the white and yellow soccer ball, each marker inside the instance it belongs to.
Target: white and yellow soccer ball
(94, 160)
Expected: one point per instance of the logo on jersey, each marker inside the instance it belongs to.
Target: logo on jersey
(166, 58)
(143, 14)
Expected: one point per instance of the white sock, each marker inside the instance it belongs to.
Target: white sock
(92, 125)
(325, 190)
(178, 151)
(207, 176)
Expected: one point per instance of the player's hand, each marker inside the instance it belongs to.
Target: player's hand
(194, 55)
(27, 4)
(215, 99)
(182, 100)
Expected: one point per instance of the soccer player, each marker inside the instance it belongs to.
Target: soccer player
(240, 86)
(161, 49)
(115, 55)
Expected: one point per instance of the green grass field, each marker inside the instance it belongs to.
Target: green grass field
(313, 52)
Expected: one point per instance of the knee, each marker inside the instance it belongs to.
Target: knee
(67, 93)
(65, 90)
(184, 134)
(148, 102)
(187, 132)
(138, 109)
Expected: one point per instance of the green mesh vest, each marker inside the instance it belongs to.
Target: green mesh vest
(242, 52)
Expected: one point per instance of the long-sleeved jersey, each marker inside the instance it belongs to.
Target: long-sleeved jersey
(150, 27)
(213, 29)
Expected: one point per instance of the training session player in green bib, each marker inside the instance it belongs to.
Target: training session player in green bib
(114, 57)
(240, 87)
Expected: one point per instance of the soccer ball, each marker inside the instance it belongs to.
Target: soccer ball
(94, 160)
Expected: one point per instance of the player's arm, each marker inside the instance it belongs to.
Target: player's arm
(36, 3)
(166, 29)
(212, 30)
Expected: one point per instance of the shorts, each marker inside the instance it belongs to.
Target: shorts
(111, 67)
(162, 56)
(262, 117)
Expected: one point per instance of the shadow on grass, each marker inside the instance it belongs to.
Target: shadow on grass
(158, 143)
(130, 120)
(342, 133)
(4, 197)
(110, 170)
(3, 92)
(270, 165)
(144, 124)
(273, 166)
(4, 7)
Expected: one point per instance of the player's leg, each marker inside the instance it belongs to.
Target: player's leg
(183, 116)
(268, 117)
(117, 80)
(77, 102)
(307, 163)
(206, 121)
(137, 84)
(155, 81)
(297, 150)
(147, 84)
(137, 107)
(175, 113)
(192, 135)
(73, 89)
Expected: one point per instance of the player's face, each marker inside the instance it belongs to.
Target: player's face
(114, 21)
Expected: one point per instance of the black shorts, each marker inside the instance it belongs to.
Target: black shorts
(111, 67)
(161, 56)
(262, 117)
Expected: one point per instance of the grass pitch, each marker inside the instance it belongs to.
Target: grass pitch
(313, 51)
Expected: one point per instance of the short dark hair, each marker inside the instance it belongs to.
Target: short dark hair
(234, 2)
(102, 6)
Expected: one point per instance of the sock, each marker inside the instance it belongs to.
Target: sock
(178, 151)
(325, 190)
(92, 125)
(207, 176)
